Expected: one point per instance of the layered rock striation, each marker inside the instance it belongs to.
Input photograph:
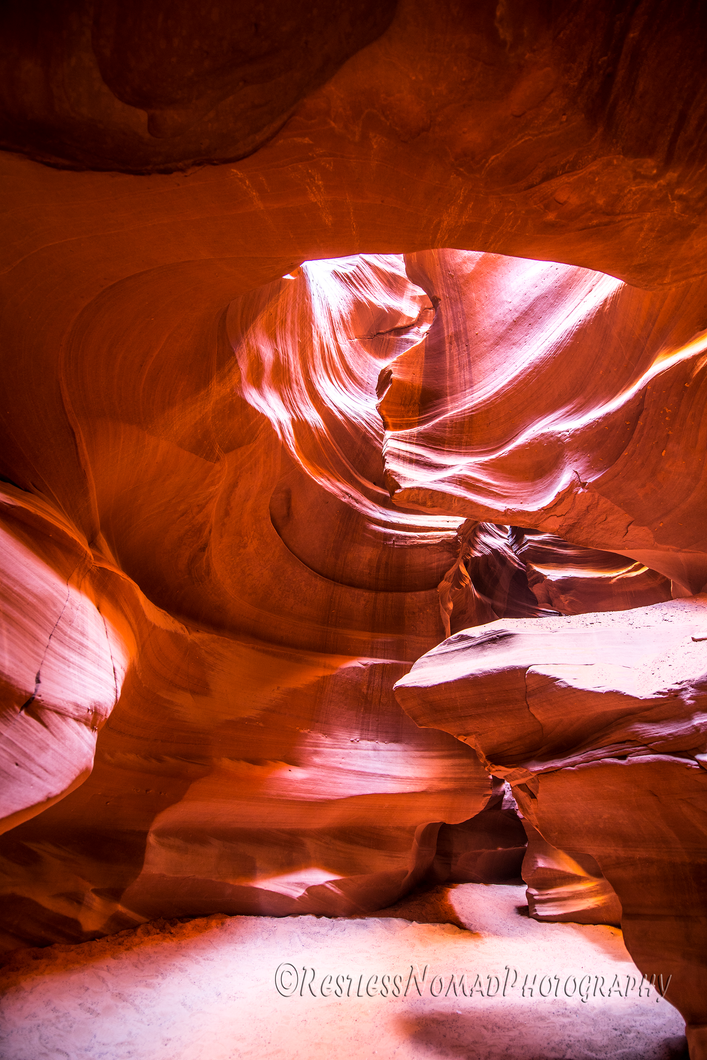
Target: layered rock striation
(556, 398)
(599, 724)
(266, 442)
(256, 760)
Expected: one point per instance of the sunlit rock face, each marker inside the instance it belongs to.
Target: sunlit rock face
(562, 889)
(599, 723)
(575, 580)
(566, 405)
(553, 397)
(515, 572)
(263, 592)
(63, 656)
(266, 443)
(260, 594)
(269, 593)
(274, 419)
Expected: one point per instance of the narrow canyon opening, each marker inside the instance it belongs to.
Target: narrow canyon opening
(403, 658)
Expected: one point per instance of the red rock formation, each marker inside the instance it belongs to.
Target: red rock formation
(64, 656)
(239, 774)
(598, 721)
(552, 397)
(510, 572)
(562, 890)
(573, 580)
(580, 429)
(527, 131)
(147, 86)
(198, 519)
(281, 423)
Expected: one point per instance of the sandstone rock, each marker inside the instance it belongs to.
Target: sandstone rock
(195, 458)
(65, 650)
(598, 721)
(562, 890)
(257, 760)
(573, 580)
(552, 397)
(524, 131)
(151, 86)
(514, 572)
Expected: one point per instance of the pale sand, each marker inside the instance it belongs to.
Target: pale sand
(205, 990)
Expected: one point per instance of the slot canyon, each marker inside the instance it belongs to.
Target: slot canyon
(353, 534)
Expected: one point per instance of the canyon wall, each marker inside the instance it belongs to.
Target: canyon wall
(267, 441)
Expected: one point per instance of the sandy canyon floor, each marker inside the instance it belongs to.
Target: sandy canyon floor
(220, 988)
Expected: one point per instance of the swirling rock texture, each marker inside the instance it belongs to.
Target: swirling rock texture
(599, 723)
(515, 439)
(257, 761)
(553, 430)
(255, 414)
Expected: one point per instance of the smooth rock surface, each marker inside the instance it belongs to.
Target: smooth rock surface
(525, 129)
(556, 398)
(257, 760)
(598, 722)
(192, 361)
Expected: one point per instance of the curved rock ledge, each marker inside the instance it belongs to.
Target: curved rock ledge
(267, 440)
(599, 723)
